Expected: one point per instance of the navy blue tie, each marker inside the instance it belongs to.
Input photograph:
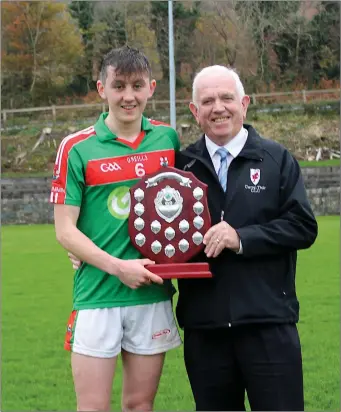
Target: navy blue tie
(222, 172)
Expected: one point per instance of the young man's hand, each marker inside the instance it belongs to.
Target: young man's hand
(131, 272)
(134, 274)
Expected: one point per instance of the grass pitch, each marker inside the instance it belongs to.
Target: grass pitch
(36, 302)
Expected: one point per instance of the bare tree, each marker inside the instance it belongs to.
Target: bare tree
(32, 17)
(231, 27)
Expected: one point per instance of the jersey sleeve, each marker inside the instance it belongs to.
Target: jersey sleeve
(173, 134)
(175, 139)
(68, 177)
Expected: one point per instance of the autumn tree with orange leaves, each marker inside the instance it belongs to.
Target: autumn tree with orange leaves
(41, 49)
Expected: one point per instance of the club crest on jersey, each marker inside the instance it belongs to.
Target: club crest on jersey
(255, 176)
(164, 161)
(55, 172)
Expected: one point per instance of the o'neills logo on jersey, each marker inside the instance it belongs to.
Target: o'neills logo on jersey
(160, 333)
(123, 168)
(110, 167)
(56, 191)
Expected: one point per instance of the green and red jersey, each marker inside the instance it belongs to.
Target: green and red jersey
(94, 170)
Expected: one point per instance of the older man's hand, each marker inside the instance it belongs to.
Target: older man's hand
(219, 237)
(76, 263)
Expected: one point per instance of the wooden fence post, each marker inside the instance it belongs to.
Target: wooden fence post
(304, 96)
(153, 105)
(254, 101)
(4, 114)
(103, 107)
(54, 115)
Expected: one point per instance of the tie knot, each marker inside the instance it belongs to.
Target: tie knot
(222, 152)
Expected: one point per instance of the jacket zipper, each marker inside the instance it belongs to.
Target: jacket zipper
(203, 161)
(221, 219)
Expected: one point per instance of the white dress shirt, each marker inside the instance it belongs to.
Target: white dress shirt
(233, 147)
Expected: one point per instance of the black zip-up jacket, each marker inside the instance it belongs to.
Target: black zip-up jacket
(273, 218)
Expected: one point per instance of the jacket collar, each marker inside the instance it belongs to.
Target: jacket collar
(251, 150)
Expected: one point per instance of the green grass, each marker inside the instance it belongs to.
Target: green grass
(320, 163)
(13, 175)
(36, 302)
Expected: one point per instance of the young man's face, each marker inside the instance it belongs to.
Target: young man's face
(219, 110)
(127, 96)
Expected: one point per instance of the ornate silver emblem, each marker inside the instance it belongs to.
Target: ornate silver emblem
(140, 239)
(155, 226)
(169, 233)
(156, 247)
(183, 226)
(169, 250)
(197, 238)
(153, 181)
(168, 204)
(183, 245)
(139, 195)
(139, 209)
(198, 222)
(139, 223)
(198, 208)
(198, 193)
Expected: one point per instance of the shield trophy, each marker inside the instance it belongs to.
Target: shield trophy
(168, 219)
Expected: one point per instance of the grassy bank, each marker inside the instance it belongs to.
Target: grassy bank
(301, 133)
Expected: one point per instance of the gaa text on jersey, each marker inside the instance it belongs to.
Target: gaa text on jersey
(110, 167)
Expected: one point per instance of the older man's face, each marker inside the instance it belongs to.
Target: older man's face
(219, 110)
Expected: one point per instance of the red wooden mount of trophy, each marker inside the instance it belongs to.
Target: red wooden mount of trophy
(168, 219)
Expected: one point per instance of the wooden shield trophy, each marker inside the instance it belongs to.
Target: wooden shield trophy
(168, 219)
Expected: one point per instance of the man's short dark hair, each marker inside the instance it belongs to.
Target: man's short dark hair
(126, 61)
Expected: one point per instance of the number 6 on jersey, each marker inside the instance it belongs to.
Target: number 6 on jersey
(139, 170)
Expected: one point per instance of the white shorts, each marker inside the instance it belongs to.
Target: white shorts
(144, 329)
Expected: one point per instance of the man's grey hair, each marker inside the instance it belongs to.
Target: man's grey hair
(217, 69)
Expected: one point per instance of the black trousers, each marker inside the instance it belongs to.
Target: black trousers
(262, 360)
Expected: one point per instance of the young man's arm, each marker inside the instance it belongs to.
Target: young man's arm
(131, 272)
(66, 194)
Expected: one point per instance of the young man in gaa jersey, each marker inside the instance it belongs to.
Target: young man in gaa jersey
(118, 305)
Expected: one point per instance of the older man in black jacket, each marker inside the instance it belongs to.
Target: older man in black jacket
(240, 326)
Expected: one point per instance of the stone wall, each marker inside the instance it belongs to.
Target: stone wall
(26, 200)
(323, 188)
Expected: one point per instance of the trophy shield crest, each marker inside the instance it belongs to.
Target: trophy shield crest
(168, 219)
